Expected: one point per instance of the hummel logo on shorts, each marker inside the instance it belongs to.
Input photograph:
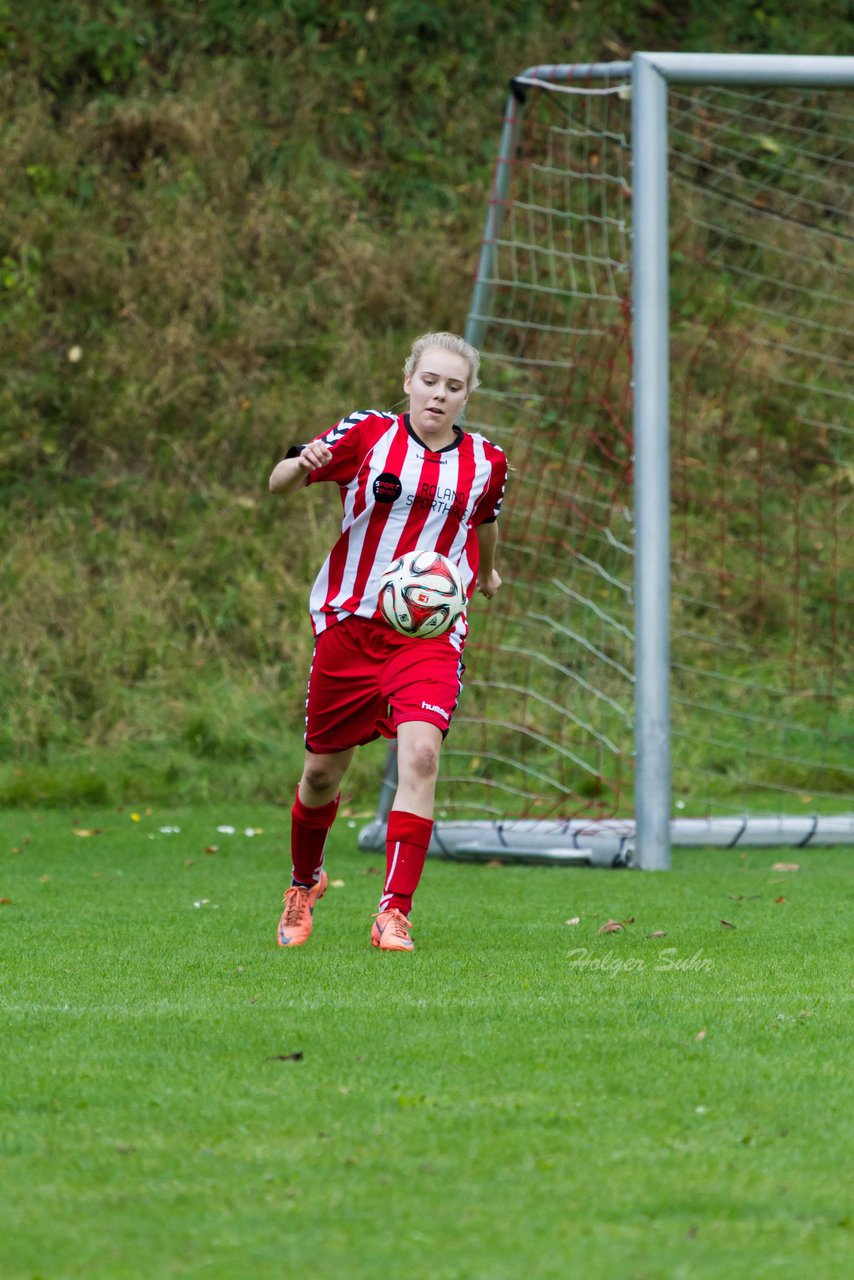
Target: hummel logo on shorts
(428, 706)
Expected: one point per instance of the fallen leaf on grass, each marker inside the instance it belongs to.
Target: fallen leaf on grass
(336, 884)
(573, 920)
(86, 831)
(371, 871)
(5, 902)
(779, 900)
(786, 866)
(658, 933)
(727, 924)
(615, 926)
(211, 849)
(701, 1035)
(286, 1057)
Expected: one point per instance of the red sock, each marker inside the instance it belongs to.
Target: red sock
(309, 829)
(407, 838)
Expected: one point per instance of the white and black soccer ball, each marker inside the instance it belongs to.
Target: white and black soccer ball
(422, 594)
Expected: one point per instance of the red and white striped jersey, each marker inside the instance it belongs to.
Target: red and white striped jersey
(398, 495)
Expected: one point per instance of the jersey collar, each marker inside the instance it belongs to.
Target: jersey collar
(454, 444)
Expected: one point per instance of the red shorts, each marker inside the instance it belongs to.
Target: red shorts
(365, 680)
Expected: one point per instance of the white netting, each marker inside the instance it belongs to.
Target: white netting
(761, 457)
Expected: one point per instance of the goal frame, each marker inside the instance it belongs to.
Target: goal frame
(650, 75)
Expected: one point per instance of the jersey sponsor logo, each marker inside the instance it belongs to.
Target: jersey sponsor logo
(440, 498)
(440, 711)
(387, 488)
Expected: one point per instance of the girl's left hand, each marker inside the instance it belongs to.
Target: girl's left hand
(488, 584)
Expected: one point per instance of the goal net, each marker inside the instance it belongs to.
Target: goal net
(761, 475)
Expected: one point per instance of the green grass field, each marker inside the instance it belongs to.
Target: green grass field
(520, 1097)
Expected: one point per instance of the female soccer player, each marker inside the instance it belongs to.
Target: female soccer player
(408, 481)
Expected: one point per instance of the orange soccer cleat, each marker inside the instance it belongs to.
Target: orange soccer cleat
(390, 931)
(297, 917)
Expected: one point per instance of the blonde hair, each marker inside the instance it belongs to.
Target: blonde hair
(445, 342)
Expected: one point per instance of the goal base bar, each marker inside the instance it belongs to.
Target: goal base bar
(611, 842)
(493, 841)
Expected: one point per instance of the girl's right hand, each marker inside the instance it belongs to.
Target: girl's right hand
(314, 456)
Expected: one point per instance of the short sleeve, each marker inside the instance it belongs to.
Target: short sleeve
(344, 441)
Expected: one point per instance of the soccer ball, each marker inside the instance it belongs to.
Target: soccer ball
(422, 594)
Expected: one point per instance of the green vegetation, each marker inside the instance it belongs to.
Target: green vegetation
(220, 226)
(521, 1096)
